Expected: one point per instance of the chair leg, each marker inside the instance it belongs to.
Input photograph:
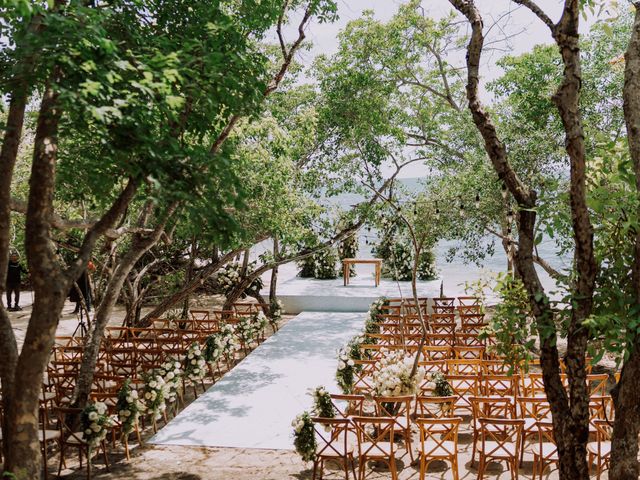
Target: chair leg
(104, 455)
(481, 467)
(392, 467)
(44, 460)
(315, 469)
(454, 467)
(353, 468)
(423, 467)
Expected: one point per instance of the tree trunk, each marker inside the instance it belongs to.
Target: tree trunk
(188, 277)
(626, 394)
(273, 284)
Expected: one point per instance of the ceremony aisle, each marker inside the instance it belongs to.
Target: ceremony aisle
(253, 405)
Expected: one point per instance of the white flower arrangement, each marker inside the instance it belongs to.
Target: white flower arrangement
(245, 330)
(129, 407)
(96, 423)
(393, 378)
(322, 404)
(228, 277)
(345, 371)
(221, 344)
(304, 437)
(276, 311)
(371, 324)
(171, 372)
(156, 391)
(260, 322)
(195, 363)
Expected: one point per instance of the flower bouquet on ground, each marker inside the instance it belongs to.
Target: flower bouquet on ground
(129, 408)
(304, 437)
(394, 379)
(96, 423)
(194, 364)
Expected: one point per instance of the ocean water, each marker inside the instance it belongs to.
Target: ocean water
(454, 273)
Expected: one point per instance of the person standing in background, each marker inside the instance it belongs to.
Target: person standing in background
(84, 285)
(14, 279)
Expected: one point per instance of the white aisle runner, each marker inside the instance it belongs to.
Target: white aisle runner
(254, 404)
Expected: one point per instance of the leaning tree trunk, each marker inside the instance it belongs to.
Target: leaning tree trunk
(141, 245)
(626, 394)
(193, 285)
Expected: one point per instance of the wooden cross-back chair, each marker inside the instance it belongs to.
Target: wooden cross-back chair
(332, 437)
(469, 301)
(439, 441)
(500, 442)
(464, 387)
(500, 385)
(398, 408)
(466, 352)
(464, 366)
(488, 407)
(532, 410)
(72, 438)
(545, 451)
(375, 442)
(199, 315)
(437, 352)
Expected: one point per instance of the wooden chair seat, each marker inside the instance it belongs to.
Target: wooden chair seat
(46, 435)
(439, 449)
(605, 448)
(338, 451)
(377, 450)
(499, 450)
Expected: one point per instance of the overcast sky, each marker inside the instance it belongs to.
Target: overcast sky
(523, 28)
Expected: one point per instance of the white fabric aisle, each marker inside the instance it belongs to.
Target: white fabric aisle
(254, 404)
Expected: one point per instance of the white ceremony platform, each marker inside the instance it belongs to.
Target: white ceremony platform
(253, 405)
(308, 294)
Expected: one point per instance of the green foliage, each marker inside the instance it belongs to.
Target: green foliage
(441, 388)
(322, 405)
(304, 437)
(348, 248)
(512, 323)
(325, 264)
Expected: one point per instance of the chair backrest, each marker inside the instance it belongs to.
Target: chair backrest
(472, 319)
(198, 315)
(537, 408)
(464, 366)
(439, 436)
(375, 436)
(500, 385)
(435, 352)
(435, 407)
(331, 436)
(492, 407)
(348, 405)
(597, 384)
(498, 435)
(68, 431)
(469, 300)
(394, 407)
(464, 352)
